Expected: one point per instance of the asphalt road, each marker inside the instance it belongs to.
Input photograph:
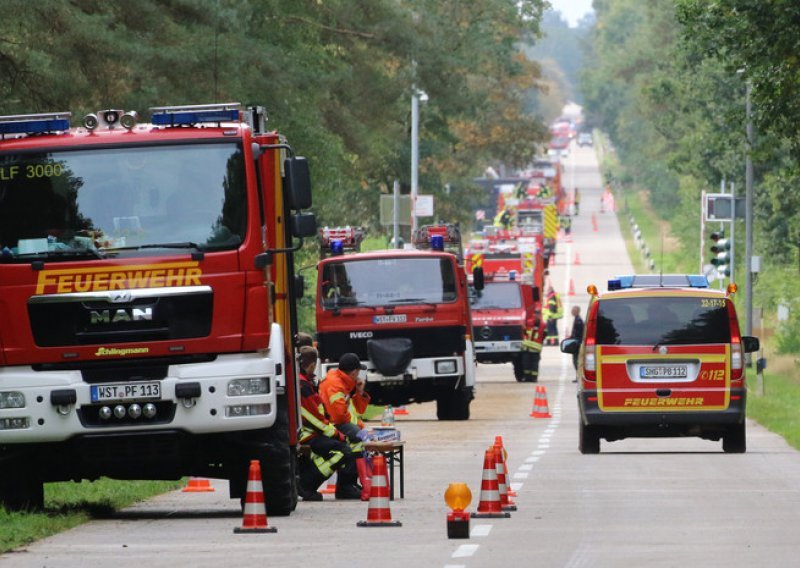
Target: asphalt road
(672, 502)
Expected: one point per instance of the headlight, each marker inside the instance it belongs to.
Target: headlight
(12, 399)
(446, 367)
(246, 410)
(244, 387)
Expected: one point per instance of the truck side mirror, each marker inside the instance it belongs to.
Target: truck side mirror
(303, 225)
(750, 344)
(477, 278)
(299, 286)
(298, 183)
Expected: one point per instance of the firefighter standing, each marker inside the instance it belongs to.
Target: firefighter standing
(345, 398)
(554, 311)
(329, 448)
(576, 200)
(504, 219)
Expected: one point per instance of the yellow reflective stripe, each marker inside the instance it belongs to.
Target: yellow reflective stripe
(325, 427)
(336, 396)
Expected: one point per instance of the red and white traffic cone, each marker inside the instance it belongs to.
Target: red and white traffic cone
(541, 408)
(505, 502)
(198, 485)
(577, 259)
(330, 488)
(255, 512)
(571, 291)
(489, 506)
(379, 514)
(498, 441)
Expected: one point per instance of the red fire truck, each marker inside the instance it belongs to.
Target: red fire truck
(405, 313)
(507, 313)
(147, 299)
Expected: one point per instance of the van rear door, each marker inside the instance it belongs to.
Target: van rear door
(663, 352)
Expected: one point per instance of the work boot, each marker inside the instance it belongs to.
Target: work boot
(346, 485)
(310, 478)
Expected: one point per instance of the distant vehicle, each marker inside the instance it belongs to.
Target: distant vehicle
(559, 143)
(662, 355)
(584, 139)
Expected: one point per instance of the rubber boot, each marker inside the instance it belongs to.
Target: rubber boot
(365, 477)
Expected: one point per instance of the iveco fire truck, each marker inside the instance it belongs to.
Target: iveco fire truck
(507, 312)
(146, 299)
(405, 313)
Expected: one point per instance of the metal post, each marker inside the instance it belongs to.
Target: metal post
(414, 155)
(733, 232)
(396, 214)
(702, 230)
(748, 218)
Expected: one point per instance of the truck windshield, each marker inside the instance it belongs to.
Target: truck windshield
(497, 296)
(660, 320)
(531, 220)
(102, 201)
(388, 282)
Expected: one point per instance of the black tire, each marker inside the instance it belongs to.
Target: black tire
(20, 489)
(278, 467)
(734, 441)
(454, 404)
(589, 440)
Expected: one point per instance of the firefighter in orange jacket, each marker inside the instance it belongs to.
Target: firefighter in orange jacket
(345, 398)
(329, 448)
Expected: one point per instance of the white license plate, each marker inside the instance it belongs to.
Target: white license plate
(399, 318)
(663, 371)
(126, 391)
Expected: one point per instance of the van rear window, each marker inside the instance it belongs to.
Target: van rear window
(663, 321)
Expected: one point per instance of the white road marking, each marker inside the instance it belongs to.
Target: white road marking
(537, 453)
(465, 550)
(516, 486)
(530, 460)
(480, 530)
(520, 476)
(526, 467)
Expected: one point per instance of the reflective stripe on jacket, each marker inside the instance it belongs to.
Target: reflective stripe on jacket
(341, 404)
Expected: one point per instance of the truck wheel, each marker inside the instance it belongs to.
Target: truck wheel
(589, 440)
(454, 404)
(21, 490)
(278, 467)
(734, 441)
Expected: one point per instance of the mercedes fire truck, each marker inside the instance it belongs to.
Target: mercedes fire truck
(147, 299)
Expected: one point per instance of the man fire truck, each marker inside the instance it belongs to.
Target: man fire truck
(405, 313)
(146, 299)
(507, 313)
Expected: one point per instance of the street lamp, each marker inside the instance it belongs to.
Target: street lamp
(416, 97)
(748, 211)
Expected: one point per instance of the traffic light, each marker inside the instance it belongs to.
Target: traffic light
(722, 251)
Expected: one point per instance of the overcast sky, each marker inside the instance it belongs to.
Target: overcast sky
(572, 10)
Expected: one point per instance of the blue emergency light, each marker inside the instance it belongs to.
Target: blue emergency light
(512, 275)
(337, 247)
(195, 114)
(34, 123)
(437, 242)
(658, 281)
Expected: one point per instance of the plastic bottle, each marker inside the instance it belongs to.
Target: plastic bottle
(387, 421)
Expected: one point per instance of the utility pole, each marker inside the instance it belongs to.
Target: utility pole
(396, 215)
(414, 156)
(748, 216)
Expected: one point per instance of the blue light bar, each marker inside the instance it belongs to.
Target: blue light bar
(614, 284)
(512, 275)
(337, 247)
(437, 242)
(195, 117)
(34, 123)
(697, 280)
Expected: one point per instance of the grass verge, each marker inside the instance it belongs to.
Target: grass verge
(70, 504)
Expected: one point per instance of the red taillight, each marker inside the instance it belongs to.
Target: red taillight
(589, 349)
(737, 354)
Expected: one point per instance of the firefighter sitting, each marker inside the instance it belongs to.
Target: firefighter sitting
(345, 398)
(553, 311)
(329, 448)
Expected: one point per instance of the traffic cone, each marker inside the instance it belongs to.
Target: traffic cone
(401, 411)
(571, 291)
(594, 222)
(498, 441)
(542, 409)
(330, 488)
(198, 485)
(577, 259)
(255, 512)
(536, 396)
(505, 502)
(490, 506)
(378, 514)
